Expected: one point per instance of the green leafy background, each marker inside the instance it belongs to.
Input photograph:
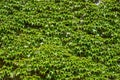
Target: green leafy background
(59, 40)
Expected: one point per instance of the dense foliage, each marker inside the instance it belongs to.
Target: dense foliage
(59, 40)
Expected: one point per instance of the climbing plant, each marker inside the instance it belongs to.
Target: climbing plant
(59, 40)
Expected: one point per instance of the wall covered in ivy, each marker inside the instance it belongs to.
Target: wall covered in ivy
(59, 40)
